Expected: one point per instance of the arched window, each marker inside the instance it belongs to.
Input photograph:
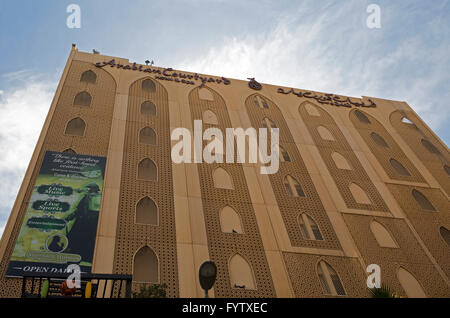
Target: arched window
(340, 161)
(405, 120)
(329, 279)
(399, 168)
(209, 117)
(82, 99)
(292, 187)
(422, 200)
(410, 284)
(430, 147)
(148, 86)
(147, 170)
(147, 136)
(264, 103)
(309, 228)
(256, 102)
(409, 123)
(447, 169)
(325, 134)
(359, 194)
(205, 94)
(146, 212)
(378, 140)
(384, 239)
(230, 222)
(76, 127)
(88, 77)
(284, 155)
(260, 102)
(69, 150)
(267, 123)
(241, 274)
(312, 110)
(222, 179)
(445, 233)
(148, 108)
(361, 117)
(145, 267)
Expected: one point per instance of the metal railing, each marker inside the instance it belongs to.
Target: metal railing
(103, 285)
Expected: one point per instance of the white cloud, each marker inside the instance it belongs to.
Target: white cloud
(333, 51)
(22, 113)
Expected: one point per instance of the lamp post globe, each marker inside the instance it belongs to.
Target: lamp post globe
(207, 275)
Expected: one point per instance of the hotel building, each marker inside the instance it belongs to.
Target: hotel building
(361, 181)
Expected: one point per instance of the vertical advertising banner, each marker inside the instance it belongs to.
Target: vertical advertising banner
(60, 224)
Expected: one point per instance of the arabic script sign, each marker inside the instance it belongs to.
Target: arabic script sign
(330, 99)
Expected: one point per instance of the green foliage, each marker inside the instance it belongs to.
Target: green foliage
(151, 291)
(383, 292)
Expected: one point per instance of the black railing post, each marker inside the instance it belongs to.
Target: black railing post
(104, 288)
(24, 283)
(40, 286)
(120, 289)
(32, 285)
(128, 289)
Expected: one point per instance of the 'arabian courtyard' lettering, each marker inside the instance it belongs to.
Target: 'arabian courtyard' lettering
(167, 74)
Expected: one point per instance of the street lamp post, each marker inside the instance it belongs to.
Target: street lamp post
(207, 275)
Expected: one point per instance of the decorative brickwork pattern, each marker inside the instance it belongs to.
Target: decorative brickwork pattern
(342, 177)
(418, 137)
(408, 255)
(130, 235)
(427, 223)
(384, 154)
(292, 207)
(222, 246)
(302, 269)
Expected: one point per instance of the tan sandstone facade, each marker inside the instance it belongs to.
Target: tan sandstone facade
(360, 182)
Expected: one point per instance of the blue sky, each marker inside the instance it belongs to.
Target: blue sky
(312, 44)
